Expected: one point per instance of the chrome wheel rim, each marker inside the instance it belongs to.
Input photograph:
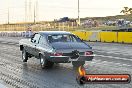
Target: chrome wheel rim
(23, 55)
(42, 61)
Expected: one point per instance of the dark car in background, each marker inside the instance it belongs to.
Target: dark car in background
(56, 47)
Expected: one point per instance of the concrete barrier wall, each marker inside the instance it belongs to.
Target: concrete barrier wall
(81, 34)
(13, 34)
(108, 36)
(10, 34)
(94, 36)
(88, 36)
(120, 37)
(125, 37)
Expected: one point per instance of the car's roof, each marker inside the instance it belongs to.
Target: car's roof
(54, 32)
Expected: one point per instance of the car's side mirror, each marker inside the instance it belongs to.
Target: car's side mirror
(33, 41)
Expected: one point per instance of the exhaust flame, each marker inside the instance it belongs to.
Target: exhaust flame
(81, 71)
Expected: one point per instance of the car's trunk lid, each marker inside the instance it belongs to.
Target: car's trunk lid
(70, 46)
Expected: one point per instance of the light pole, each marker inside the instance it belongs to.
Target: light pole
(26, 10)
(8, 16)
(34, 14)
(78, 12)
(35, 10)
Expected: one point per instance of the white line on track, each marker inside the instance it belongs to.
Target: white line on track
(118, 58)
(17, 44)
(111, 52)
(11, 43)
(4, 42)
(109, 63)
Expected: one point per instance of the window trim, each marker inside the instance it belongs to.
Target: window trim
(38, 38)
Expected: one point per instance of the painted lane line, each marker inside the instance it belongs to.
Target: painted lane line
(129, 65)
(96, 60)
(11, 43)
(17, 44)
(126, 65)
(111, 52)
(93, 62)
(117, 63)
(108, 63)
(4, 42)
(103, 62)
(118, 58)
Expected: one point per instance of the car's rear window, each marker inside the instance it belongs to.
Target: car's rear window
(63, 38)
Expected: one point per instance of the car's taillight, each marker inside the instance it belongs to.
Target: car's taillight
(88, 53)
(56, 54)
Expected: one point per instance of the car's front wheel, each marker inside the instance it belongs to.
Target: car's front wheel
(24, 56)
(78, 63)
(45, 63)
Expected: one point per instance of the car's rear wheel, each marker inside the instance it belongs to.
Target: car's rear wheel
(78, 63)
(24, 56)
(45, 63)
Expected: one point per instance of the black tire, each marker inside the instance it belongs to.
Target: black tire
(24, 56)
(78, 63)
(45, 63)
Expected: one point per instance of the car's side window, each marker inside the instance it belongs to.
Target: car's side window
(36, 38)
(42, 41)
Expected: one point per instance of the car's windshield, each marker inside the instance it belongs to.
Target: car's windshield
(63, 38)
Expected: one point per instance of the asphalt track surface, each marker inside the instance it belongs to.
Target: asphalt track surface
(110, 59)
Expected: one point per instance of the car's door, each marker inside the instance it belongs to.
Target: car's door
(43, 45)
(35, 42)
(30, 45)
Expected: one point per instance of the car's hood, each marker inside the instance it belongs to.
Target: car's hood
(70, 45)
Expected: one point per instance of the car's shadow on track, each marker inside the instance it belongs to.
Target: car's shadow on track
(58, 73)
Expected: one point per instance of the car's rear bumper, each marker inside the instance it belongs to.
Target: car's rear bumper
(66, 59)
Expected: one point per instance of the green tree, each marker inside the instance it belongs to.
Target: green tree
(126, 11)
(130, 10)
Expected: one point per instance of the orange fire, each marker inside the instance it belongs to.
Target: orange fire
(81, 71)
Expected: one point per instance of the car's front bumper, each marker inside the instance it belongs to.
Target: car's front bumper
(66, 59)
